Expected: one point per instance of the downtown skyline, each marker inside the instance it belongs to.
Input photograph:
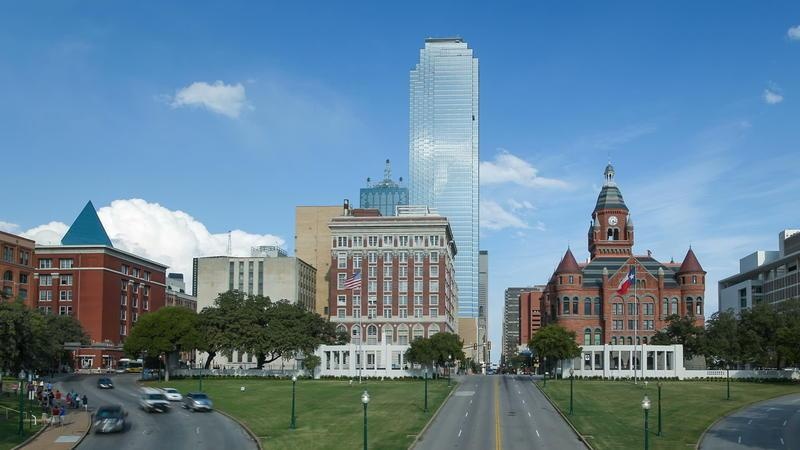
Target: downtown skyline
(216, 124)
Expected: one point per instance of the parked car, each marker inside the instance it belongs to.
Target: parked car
(109, 419)
(105, 383)
(197, 401)
(172, 394)
(152, 400)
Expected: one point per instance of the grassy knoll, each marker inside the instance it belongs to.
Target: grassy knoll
(610, 412)
(329, 413)
(9, 437)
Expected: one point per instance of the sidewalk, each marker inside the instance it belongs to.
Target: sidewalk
(62, 437)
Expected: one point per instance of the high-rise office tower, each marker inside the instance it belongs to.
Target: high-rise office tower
(443, 155)
(385, 195)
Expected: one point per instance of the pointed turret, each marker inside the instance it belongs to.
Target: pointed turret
(568, 264)
(690, 263)
(87, 229)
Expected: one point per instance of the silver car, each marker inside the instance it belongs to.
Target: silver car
(152, 400)
(197, 401)
(109, 419)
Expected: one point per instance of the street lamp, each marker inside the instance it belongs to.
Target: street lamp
(294, 417)
(365, 400)
(449, 365)
(646, 408)
(546, 374)
(21, 404)
(426, 390)
(571, 379)
(659, 408)
(201, 376)
(728, 376)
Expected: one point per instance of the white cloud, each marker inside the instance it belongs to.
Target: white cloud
(772, 96)
(794, 33)
(517, 205)
(495, 217)
(508, 168)
(221, 98)
(8, 227)
(163, 235)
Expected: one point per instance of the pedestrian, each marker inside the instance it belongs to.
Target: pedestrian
(61, 413)
(85, 402)
(58, 394)
(69, 398)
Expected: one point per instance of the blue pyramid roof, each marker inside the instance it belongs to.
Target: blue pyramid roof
(87, 229)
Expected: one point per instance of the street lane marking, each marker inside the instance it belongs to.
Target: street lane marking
(537, 433)
(740, 439)
(529, 414)
(197, 430)
(466, 414)
(750, 421)
(523, 401)
(784, 423)
(782, 442)
(459, 433)
(498, 438)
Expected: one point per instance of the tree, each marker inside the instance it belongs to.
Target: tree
(554, 342)
(220, 326)
(438, 349)
(682, 330)
(311, 363)
(723, 345)
(758, 329)
(170, 329)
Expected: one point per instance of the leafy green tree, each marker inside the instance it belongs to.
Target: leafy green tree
(170, 329)
(421, 352)
(723, 339)
(759, 327)
(682, 330)
(553, 343)
(220, 325)
(788, 333)
(311, 363)
(436, 350)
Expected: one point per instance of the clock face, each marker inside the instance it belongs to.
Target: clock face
(612, 220)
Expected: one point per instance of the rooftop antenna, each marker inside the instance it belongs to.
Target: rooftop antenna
(229, 243)
(387, 171)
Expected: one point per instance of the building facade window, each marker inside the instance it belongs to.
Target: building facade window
(65, 296)
(587, 307)
(65, 263)
(45, 280)
(46, 263)
(45, 295)
(66, 279)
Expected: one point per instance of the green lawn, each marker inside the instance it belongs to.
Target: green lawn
(610, 415)
(9, 428)
(330, 414)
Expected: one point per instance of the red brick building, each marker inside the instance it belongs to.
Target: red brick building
(583, 297)
(530, 313)
(105, 288)
(16, 266)
(407, 288)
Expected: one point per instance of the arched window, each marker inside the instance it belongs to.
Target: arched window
(689, 306)
(598, 339)
(402, 334)
(576, 303)
(644, 340)
(597, 306)
(372, 335)
(587, 336)
(565, 306)
(356, 335)
(638, 340)
(630, 340)
(8, 276)
(665, 307)
(388, 334)
(699, 306)
(613, 340)
(616, 234)
(433, 329)
(610, 234)
(673, 306)
(587, 306)
(341, 328)
(418, 332)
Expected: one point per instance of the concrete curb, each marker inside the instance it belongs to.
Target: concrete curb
(32, 437)
(433, 417)
(246, 428)
(703, 434)
(563, 416)
(86, 433)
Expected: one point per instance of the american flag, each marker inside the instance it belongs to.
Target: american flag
(354, 282)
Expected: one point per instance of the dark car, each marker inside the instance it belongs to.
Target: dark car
(197, 401)
(109, 419)
(105, 383)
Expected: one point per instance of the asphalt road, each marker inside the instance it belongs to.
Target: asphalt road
(498, 412)
(177, 429)
(772, 424)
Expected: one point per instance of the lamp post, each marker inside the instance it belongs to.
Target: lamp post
(21, 404)
(659, 408)
(449, 366)
(200, 381)
(728, 376)
(646, 408)
(546, 374)
(571, 379)
(365, 400)
(293, 425)
(426, 390)
(144, 362)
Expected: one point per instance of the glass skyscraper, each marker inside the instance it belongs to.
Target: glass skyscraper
(384, 195)
(443, 151)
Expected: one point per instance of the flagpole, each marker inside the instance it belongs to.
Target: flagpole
(636, 325)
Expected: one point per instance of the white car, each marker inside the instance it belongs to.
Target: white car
(172, 394)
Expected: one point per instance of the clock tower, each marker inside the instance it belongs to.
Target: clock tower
(611, 229)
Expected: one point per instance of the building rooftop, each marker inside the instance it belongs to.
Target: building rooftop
(87, 229)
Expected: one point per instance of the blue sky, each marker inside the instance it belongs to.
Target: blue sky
(695, 104)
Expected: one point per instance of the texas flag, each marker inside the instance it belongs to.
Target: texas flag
(626, 282)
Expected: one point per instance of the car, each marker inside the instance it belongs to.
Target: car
(109, 419)
(152, 400)
(197, 401)
(105, 383)
(172, 394)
